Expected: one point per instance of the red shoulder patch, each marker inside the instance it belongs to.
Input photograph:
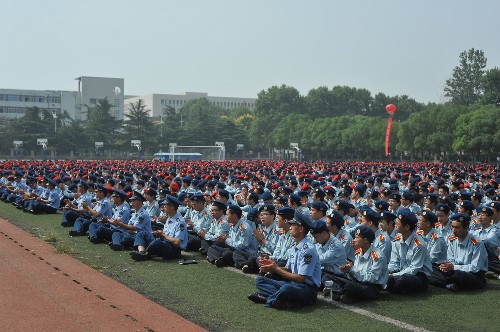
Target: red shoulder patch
(397, 237)
(341, 238)
(282, 231)
(417, 242)
(452, 238)
(473, 240)
(374, 255)
(358, 251)
(438, 224)
(381, 237)
(420, 232)
(434, 236)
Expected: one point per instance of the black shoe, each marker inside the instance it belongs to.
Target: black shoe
(257, 298)
(116, 247)
(95, 240)
(281, 305)
(453, 287)
(75, 233)
(346, 299)
(246, 269)
(139, 256)
(219, 263)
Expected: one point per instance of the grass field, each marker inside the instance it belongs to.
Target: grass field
(216, 298)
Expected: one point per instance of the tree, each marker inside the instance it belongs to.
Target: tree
(491, 87)
(139, 126)
(101, 125)
(464, 87)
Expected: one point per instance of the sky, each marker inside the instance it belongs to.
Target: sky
(236, 48)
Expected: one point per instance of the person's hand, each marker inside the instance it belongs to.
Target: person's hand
(202, 233)
(346, 267)
(267, 265)
(446, 266)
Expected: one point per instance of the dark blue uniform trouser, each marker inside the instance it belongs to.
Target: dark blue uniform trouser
(285, 291)
(43, 208)
(408, 284)
(464, 280)
(155, 246)
(82, 225)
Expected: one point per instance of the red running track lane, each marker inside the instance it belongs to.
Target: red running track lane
(44, 291)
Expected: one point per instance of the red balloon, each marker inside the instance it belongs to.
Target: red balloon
(391, 108)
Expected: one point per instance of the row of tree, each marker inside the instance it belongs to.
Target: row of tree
(338, 123)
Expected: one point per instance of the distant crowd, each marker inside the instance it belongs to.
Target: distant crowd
(348, 229)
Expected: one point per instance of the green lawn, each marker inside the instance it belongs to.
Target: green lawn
(216, 298)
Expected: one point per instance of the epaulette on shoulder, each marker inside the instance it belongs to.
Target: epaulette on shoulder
(397, 238)
(417, 242)
(341, 238)
(242, 227)
(358, 251)
(420, 232)
(452, 238)
(473, 240)
(438, 224)
(434, 236)
(374, 255)
(381, 237)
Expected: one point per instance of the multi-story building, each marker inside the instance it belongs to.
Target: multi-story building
(156, 103)
(14, 102)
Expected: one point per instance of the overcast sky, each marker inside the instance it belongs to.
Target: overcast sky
(237, 48)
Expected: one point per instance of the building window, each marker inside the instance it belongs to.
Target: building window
(93, 101)
(117, 113)
(117, 103)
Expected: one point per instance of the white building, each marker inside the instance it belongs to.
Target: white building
(14, 102)
(156, 103)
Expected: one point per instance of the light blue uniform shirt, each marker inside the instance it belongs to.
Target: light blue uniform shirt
(271, 236)
(121, 212)
(469, 255)
(436, 246)
(176, 227)
(383, 243)
(153, 209)
(283, 244)
(331, 255)
(490, 237)
(103, 207)
(303, 259)
(54, 198)
(410, 256)
(240, 236)
(443, 230)
(370, 267)
(141, 221)
(346, 238)
(200, 220)
(217, 227)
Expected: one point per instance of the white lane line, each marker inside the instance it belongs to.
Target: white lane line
(354, 309)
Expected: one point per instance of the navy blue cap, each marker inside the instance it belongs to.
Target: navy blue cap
(465, 195)
(495, 205)
(137, 195)
(343, 205)
(467, 205)
(83, 183)
(294, 198)
(371, 215)
(286, 212)
(220, 205)
(266, 196)
(429, 216)
(408, 217)
(50, 181)
(223, 193)
(197, 197)
(442, 207)
(319, 226)
(382, 205)
(365, 232)
(461, 217)
(386, 215)
(396, 197)
(432, 197)
(268, 207)
(336, 219)
(233, 208)
(483, 209)
(252, 214)
(119, 193)
(171, 200)
(360, 189)
(407, 195)
(320, 206)
(150, 192)
(100, 187)
(302, 220)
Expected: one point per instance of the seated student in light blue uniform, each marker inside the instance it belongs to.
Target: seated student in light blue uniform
(467, 260)
(364, 278)
(371, 219)
(410, 264)
(74, 208)
(103, 229)
(331, 251)
(442, 225)
(198, 223)
(219, 227)
(100, 210)
(387, 226)
(489, 234)
(335, 222)
(302, 274)
(51, 204)
(239, 238)
(166, 243)
(436, 245)
(264, 237)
